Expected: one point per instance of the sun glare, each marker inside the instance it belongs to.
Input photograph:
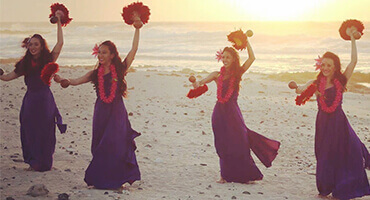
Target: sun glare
(278, 10)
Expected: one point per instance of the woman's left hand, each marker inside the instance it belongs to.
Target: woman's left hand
(59, 14)
(352, 31)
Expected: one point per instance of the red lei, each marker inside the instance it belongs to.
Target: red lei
(113, 88)
(230, 90)
(338, 95)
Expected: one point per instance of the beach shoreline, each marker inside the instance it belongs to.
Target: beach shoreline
(176, 154)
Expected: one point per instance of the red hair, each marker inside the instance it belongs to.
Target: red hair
(337, 68)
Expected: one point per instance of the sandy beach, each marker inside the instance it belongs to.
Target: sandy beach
(176, 154)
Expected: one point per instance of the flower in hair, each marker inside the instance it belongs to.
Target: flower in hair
(95, 50)
(219, 55)
(318, 63)
(25, 42)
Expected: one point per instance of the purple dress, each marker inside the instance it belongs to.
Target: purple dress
(38, 117)
(233, 142)
(341, 156)
(113, 146)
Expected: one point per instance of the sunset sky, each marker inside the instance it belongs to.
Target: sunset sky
(193, 10)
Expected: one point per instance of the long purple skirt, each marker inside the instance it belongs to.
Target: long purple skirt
(38, 117)
(233, 142)
(341, 156)
(113, 146)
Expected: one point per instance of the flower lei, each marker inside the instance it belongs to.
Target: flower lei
(338, 96)
(230, 90)
(113, 88)
(33, 63)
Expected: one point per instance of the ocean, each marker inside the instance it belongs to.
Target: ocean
(279, 47)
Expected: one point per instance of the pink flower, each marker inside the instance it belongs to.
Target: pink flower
(95, 50)
(219, 55)
(318, 63)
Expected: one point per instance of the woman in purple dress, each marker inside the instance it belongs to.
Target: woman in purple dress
(39, 113)
(341, 156)
(233, 140)
(113, 146)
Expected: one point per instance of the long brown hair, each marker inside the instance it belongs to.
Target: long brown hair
(121, 68)
(23, 66)
(235, 67)
(337, 69)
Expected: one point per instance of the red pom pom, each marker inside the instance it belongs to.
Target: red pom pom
(65, 19)
(349, 23)
(48, 71)
(239, 39)
(306, 95)
(139, 8)
(194, 93)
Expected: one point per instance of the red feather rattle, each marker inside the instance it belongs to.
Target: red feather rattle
(239, 38)
(136, 13)
(305, 95)
(194, 93)
(48, 72)
(349, 26)
(62, 11)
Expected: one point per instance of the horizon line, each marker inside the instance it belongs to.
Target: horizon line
(315, 21)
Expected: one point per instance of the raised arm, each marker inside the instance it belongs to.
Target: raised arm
(58, 46)
(211, 77)
(351, 66)
(8, 77)
(250, 59)
(135, 45)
